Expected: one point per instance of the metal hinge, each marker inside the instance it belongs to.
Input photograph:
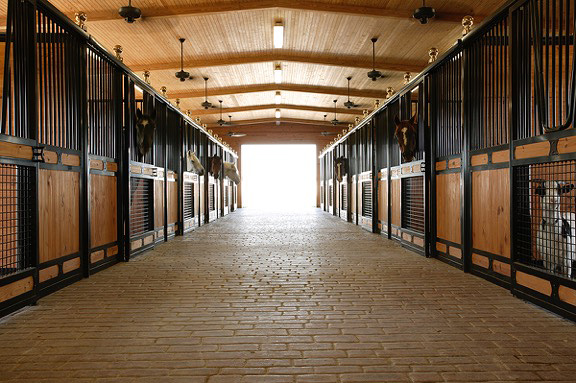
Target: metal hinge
(38, 154)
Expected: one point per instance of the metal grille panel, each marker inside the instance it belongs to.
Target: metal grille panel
(188, 201)
(226, 195)
(141, 205)
(367, 199)
(330, 196)
(413, 203)
(545, 216)
(344, 197)
(211, 199)
(17, 185)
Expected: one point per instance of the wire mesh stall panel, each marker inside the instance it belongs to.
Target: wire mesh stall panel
(104, 127)
(366, 187)
(190, 201)
(487, 118)
(544, 232)
(446, 134)
(141, 213)
(17, 218)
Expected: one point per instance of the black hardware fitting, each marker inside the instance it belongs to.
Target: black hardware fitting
(553, 148)
(38, 154)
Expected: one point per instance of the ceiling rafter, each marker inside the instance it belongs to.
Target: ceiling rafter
(367, 93)
(249, 108)
(249, 5)
(363, 62)
(259, 121)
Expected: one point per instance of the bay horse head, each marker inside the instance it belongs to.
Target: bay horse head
(215, 166)
(407, 135)
(193, 163)
(340, 168)
(145, 127)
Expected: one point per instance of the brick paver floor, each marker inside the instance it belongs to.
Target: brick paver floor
(284, 298)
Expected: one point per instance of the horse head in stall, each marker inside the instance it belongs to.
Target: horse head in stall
(193, 163)
(340, 168)
(145, 127)
(407, 135)
(231, 172)
(215, 166)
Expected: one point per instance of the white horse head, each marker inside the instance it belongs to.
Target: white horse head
(193, 164)
(231, 172)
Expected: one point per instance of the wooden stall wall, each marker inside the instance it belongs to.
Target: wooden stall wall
(76, 193)
(497, 116)
(447, 175)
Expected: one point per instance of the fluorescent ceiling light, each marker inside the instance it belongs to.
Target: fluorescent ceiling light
(278, 35)
(278, 98)
(277, 114)
(278, 74)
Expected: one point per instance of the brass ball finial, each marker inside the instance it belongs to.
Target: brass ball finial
(389, 92)
(433, 53)
(81, 19)
(147, 77)
(163, 90)
(467, 22)
(376, 104)
(357, 120)
(407, 77)
(118, 50)
(178, 103)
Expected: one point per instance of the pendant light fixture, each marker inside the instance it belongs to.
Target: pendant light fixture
(130, 13)
(182, 74)
(221, 121)
(335, 120)
(374, 74)
(206, 104)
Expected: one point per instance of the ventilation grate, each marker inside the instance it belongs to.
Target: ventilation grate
(344, 197)
(211, 201)
(141, 205)
(413, 203)
(188, 201)
(367, 199)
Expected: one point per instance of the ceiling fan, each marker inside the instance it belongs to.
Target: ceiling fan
(335, 120)
(234, 134)
(206, 104)
(182, 74)
(328, 133)
(424, 13)
(349, 104)
(221, 121)
(374, 74)
(130, 13)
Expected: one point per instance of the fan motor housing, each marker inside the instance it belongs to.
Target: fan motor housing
(182, 75)
(374, 74)
(424, 13)
(130, 13)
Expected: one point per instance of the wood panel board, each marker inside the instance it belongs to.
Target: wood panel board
(103, 210)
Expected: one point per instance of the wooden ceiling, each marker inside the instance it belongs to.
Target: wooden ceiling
(231, 42)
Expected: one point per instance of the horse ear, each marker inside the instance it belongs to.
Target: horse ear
(541, 188)
(138, 114)
(153, 114)
(564, 187)
(396, 120)
(414, 118)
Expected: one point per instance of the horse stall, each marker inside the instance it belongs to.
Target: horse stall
(192, 173)
(494, 118)
(213, 184)
(342, 181)
(90, 158)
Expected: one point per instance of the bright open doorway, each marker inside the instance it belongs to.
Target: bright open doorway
(279, 176)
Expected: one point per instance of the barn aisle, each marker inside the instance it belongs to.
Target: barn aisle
(282, 297)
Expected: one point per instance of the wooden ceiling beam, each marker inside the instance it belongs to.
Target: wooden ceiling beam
(363, 62)
(249, 108)
(258, 121)
(250, 5)
(367, 93)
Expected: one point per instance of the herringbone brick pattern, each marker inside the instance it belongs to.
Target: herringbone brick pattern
(275, 298)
